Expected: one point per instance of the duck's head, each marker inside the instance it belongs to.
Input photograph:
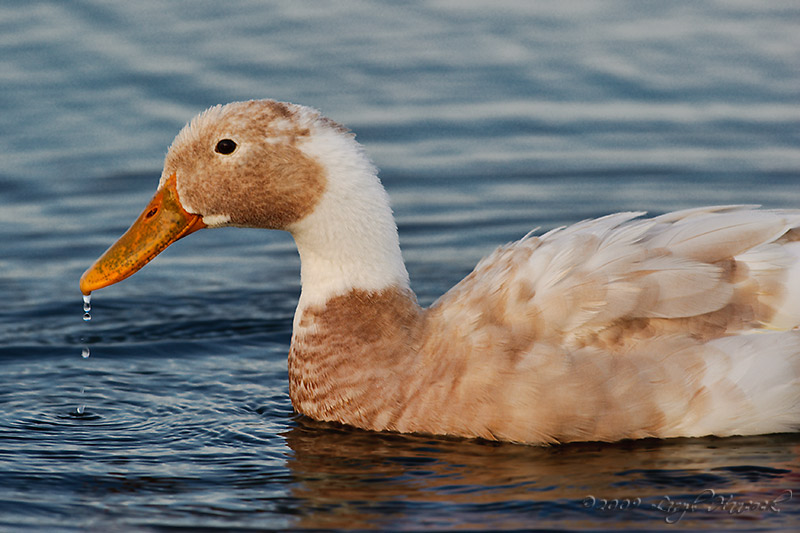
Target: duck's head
(260, 164)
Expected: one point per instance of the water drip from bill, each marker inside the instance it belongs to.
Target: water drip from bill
(85, 352)
(87, 306)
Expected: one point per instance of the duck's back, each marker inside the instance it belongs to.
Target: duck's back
(681, 325)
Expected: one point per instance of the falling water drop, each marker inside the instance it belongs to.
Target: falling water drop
(85, 352)
(87, 302)
(87, 306)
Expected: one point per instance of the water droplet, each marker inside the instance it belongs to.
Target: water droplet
(87, 306)
(85, 352)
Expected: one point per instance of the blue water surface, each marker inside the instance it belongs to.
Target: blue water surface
(487, 119)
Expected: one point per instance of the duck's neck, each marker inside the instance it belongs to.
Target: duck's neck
(357, 317)
(349, 242)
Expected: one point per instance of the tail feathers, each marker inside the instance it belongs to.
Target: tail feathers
(751, 385)
(777, 271)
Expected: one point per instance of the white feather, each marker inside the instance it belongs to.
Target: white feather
(753, 382)
(350, 239)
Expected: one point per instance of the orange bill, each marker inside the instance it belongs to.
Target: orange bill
(163, 222)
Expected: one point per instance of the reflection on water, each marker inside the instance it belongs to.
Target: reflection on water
(360, 479)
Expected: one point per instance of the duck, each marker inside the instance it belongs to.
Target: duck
(622, 327)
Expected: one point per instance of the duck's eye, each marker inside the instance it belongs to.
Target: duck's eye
(225, 147)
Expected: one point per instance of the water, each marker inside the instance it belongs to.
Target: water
(87, 307)
(486, 118)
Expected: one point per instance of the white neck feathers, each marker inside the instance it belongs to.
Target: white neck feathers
(349, 241)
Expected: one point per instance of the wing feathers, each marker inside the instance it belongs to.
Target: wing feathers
(576, 281)
(711, 237)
